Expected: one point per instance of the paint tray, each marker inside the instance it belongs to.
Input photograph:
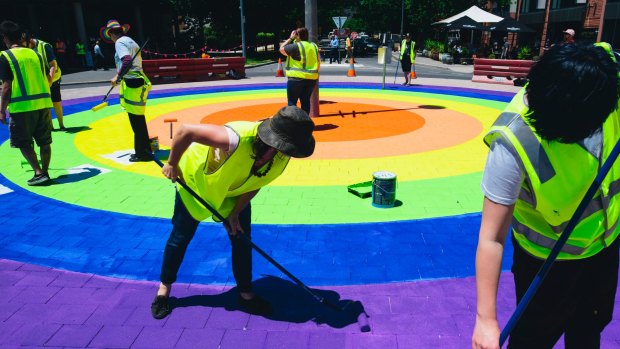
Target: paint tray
(363, 190)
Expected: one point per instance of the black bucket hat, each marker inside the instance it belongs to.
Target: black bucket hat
(289, 131)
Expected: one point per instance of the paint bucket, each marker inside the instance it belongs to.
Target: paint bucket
(383, 189)
(154, 144)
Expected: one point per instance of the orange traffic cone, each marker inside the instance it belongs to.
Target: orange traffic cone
(351, 72)
(280, 71)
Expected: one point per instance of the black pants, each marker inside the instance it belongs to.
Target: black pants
(183, 228)
(334, 55)
(141, 141)
(575, 299)
(300, 89)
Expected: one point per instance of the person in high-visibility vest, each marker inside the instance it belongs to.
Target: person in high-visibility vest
(54, 73)
(407, 57)
(349, 49)
(546, 148)
(80, 52)
(302, 67)
(134, 85)
(241, 158)
(61, 50)
(26, 95)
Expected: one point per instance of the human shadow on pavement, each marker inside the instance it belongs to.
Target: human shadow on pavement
(290, 303)
(85, 173)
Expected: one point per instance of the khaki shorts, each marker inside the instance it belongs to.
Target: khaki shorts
(25, 126)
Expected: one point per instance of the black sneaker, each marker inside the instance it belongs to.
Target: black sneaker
(39, 179)
(256, 305)
(160, 308)
(138, 158)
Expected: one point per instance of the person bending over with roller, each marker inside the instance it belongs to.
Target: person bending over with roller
(546, 148)
(241, 157)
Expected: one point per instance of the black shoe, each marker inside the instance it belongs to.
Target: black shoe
(160, 308)
(140, 158)
(405, 83)
(39, 179)
(256, 305)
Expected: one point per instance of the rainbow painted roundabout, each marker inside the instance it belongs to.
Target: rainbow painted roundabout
(108, 217)
(430, 137)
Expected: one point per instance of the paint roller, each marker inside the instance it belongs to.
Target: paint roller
(104, 102)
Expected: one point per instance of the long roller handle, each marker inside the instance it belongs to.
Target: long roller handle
(252, 244)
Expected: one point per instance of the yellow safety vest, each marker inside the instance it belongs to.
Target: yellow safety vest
(134, 99)
(308, 66)
(30, 89)
(221, 180)
(41, 51)
(411, 51)
(557, 176)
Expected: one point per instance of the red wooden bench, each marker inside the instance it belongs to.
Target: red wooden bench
(161, 71)
(500, 71)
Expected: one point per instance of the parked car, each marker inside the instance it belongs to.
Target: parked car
(372, 45)
(360, 48)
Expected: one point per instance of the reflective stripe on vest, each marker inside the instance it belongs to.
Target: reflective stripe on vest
(30, 90)
(60, 47)
(411, 50)
(221, 181)
(41, 51)
(134, 99)
(308, 66)
(556, 178)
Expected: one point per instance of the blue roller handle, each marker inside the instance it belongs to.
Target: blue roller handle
(252, 244)
(544, 270)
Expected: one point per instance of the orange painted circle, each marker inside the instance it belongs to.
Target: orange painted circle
(339, 121)
(383, 134)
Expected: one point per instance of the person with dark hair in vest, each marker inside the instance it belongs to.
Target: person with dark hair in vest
(54, 73)
(302, 67)
(134, 85)
(546, 148)
(241, 158)
(407, 57)
(26, 95)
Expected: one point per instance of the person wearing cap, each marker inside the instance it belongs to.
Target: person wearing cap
(26, 95)
(544, 155)
(54, 73)
(134, 85)
(241, 158)
(303, 62)
(407, 57)
(569, 36)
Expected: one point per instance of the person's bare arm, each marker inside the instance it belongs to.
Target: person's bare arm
(233, 219)
(496, 219)
(5, 99)
(288, 41)
(211, 135)
(53, 68)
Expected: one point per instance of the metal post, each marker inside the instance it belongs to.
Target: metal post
(242, 28)
(402, 17)
(312, 26)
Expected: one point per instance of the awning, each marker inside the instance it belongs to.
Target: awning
(509, 25)
(464, 23)
(476, 13)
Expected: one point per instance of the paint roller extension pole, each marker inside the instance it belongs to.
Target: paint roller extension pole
(252, 244)
(104, 102)
(544, 270)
